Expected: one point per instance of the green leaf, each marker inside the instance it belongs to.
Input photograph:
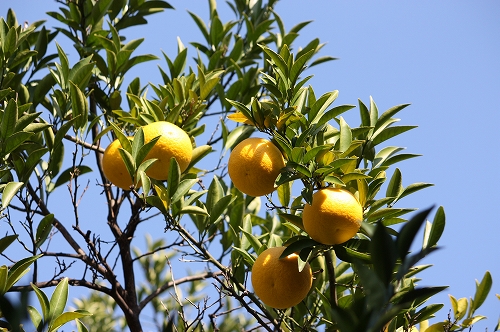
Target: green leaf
(19, 269)
(334, 180)
(293, 219)
(3, 279)
(9, 191)
(373, 114)
(237, 135)
(142, 178)
(194, 210)
(318, 108)
(299, 65)
(137, 144)
(421, 294)
(182, 189)
(397, 158)
(409, 232)
(459, 307)
(35, 317)
(390, 132)
(61, 133)
(43, 300)
(220, 206)
(437, 327)
(80, 326)
(207, 88)
(174, 176)
(364, 114)
(78, 105)
(58, 301)
(482, 290)
(395, 187)
(277, 59)
(9, 119)
(383, 253)
(15, 140)
(81, 73)
(129, 162)
(414, 187)
(333, 113)
(199, 153)
(124, 141)
(64, 66)
(140, 152)
(43, 229)
(346, 178)
(345, 135)
(67, 317)
(384, 154)
(70, 173)
(284, 193)
(428, 312)
(6, 241)
(473, 320)
(296, 246)
(387, 115)
(432, 236)
(10, 42)
(100, 9)
(254, 241)
(245, 255)
(241, 108)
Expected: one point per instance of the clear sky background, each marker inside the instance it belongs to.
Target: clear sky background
(443, 57)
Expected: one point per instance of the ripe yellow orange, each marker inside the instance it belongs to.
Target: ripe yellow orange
(278, 282)
(114, 168)
(174, 142)
(334, 216)
(253, 166)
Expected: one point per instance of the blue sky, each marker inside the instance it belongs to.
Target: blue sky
(443, 57)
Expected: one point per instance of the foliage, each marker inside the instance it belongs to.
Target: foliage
(58, 113)
(53, 310)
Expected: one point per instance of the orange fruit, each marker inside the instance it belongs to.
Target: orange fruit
(334, 216)
(253, 166)
(173, 143)
(278, 282)
(114, 168)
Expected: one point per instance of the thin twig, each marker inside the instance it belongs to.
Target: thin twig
(173, 283)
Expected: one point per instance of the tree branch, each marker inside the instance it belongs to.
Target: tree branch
(86, 145)
(173, 283)
(72, 282)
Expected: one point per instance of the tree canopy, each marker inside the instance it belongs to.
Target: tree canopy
(177, 252)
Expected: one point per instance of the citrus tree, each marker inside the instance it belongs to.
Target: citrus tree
(274, 212)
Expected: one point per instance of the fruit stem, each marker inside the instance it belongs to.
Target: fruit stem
(331, 276)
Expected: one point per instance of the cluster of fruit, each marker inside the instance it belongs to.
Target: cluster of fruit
(173, 143)
(333, 218)
(254, 165)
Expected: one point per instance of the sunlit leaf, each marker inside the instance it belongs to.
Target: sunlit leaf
(9, 191)
(67, 317)
(43, 300)
(240, 117)
(58, 301)
(482, 290)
